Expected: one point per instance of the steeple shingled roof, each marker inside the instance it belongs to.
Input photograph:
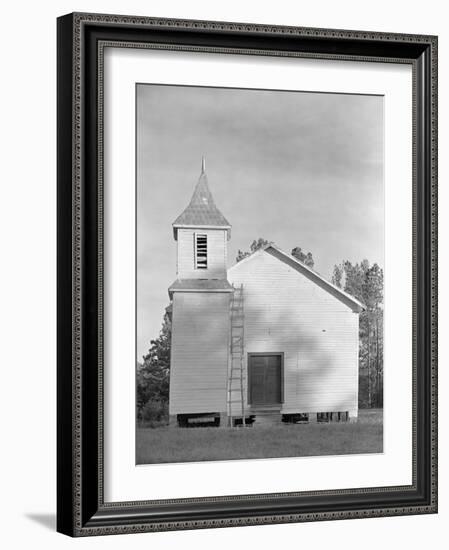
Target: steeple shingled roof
(201, 211)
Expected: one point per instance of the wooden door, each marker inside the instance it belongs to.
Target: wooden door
(265, 378)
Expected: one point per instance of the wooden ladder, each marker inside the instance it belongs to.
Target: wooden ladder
(235, 393)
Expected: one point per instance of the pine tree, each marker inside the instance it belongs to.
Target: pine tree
(373, 298)
(365, 283)
(337, 276)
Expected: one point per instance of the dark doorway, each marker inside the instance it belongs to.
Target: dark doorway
(265, 379)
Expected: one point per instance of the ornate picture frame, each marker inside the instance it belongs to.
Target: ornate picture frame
(81, 507)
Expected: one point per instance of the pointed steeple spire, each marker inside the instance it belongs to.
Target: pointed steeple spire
(201, 211)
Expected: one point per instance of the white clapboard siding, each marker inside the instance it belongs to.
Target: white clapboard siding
(199, 352)
(318, 334)
(216, 254)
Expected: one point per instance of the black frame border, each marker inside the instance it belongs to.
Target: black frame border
(81, 510)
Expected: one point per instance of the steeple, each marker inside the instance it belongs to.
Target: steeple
(201, 211)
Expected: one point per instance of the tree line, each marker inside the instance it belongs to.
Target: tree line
(153, 378)
(365, 282)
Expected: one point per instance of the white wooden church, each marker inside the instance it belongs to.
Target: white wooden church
(267, 338)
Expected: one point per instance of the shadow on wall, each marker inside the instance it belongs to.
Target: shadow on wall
(200, 354)
(313, 373)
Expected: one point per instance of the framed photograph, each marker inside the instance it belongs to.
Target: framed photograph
(247, 279)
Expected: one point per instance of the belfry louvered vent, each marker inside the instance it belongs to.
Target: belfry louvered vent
(201, 251)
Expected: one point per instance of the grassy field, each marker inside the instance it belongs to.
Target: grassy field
(171, 444)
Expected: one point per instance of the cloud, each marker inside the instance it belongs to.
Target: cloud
(298, 168)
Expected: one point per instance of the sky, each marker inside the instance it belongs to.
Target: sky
(296, 168)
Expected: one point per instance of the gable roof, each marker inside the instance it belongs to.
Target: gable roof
(310, 273)
(201, 211)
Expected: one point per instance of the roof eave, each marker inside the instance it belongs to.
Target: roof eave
(177, 226)
(359, 306)
(172, 290)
